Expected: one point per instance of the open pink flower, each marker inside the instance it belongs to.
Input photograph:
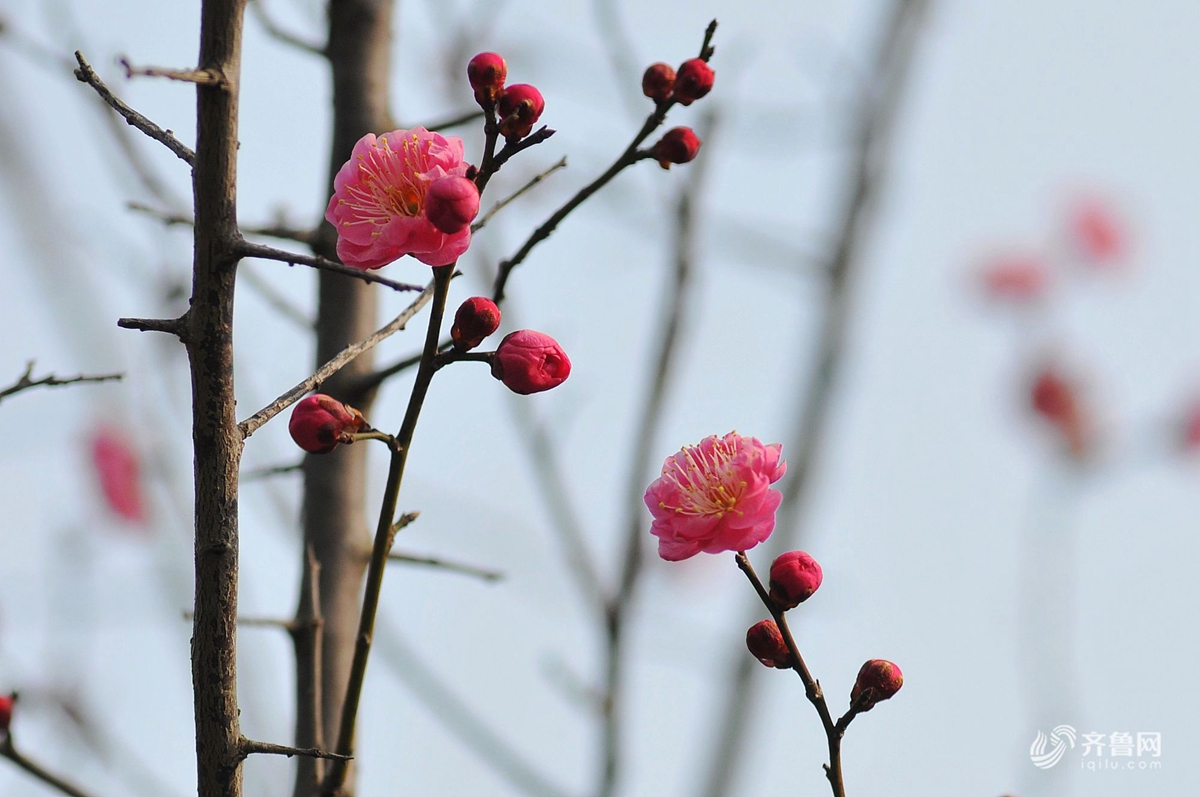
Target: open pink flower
(715, 496)
(378, 203)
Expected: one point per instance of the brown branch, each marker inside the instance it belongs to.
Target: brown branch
(307, 644)
(251, 747)
(25, 382)
(630, 156)
(672, 315)
(482, 221)
(87, 75)
(875, 116)
(277, 230)
(457, 120)
(274, 470)
(201, 77)
(8, 750)
(273, 29)
(171, 326)
(331, 367)
(262, 252)
(445, 564)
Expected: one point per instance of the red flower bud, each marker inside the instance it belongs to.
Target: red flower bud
(521, 105)
(657, 81)
(1189, 437)
(678, 145)
(6, 712)
(693, 81)
(1056, 400)
(451, 204)
(878, 680)
(530, 362)
(476, 318)
(117, 466)
(320, 422)
(765, 641)
(795, 576)
(486, 73)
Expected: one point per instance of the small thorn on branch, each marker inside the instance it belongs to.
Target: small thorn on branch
(201, 77)
(251, 747)
(87, 75)
(172, 326)
(404, 520)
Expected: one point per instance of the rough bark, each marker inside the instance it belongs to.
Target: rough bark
(335, 526)
(208, 335)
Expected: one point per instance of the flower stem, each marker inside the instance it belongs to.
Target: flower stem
(384, 534)
(812, 687)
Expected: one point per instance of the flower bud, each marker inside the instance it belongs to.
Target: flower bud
(530, 362)
(521, 105)
(693, 81)
(320, 422)
(657, 81)
(486, 73)
(765, 641)
(1057, 400)
(878, 680)
(451, 204)
(6, 712)
(476, 318)
(795, 576)
(678, 145)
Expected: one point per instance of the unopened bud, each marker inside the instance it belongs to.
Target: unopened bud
(6, 712)
(451, 204)
(486, 73)
(320, 422)
(693, 80)
(878, 680)
(521, 105)
(678, 145)
(530, 362)
(657, 81)
(476, 318)
(795, 576)
(765, 642)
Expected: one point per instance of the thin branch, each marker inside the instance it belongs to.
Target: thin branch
(256, 622)
(278, 229)
(631, 155)
(262, 252)
(346, 355)
(201, 77)
(259, 9)
(171, 326)
(274, 470)
(875, 114)
(87, 75)
(8, 750)
(445, 564)
(251, 747)
(26, 381)
(486, 217)
(457, 120)
(276, 300)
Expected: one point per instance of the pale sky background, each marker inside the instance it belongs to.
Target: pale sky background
(935, 496)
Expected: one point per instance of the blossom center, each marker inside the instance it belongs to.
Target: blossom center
(708, 481)
(390, 183)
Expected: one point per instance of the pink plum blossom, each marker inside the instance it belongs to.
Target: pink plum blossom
(118, 470)
(1097, 232)
(715, 496)
(378, 204)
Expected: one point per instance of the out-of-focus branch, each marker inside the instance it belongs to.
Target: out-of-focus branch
(483, 573)
(87, 75)
(494, 209)
(50, 380)
(672, 314)
(875, 116)
(457, 120)
(8, 750)
(332, 366)
(306, 643)
(201, 77)
(259, 9)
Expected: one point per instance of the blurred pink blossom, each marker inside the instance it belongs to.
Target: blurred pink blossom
(1015, 278)
(119, 472)
(1054, 397)
(715, 496)
(378, 204)
(1097, 232)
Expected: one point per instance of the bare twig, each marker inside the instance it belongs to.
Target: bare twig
(274, 470)
(874, 118)
(251, 747)
(87, 75)
(445, 564)
(277, 230)
(262, 252)
(347, 355)
(457, 120)
(26, 381)
(486, 217)
(273, 29)
(201, 77)
(8, 750)
(404, 521)
(171, 326)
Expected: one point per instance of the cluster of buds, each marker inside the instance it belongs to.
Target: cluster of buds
(319, 423)
(519, 106)
(690, 82)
